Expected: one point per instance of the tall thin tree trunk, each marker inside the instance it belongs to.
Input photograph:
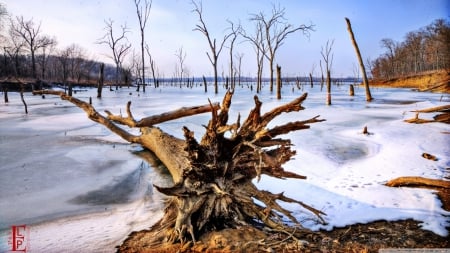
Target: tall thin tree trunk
(278, 82)
(100, 81)
(70, 88)
(271, 75)
(22, 98)
(361, 63)
(33, 64)
(143, 61)
(216, 88)
(328, 87)
(205, 84)
(5, 93)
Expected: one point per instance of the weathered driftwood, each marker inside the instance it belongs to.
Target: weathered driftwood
(417, 182)
(443, 117)
(213, 179)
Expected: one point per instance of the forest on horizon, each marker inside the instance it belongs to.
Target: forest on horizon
(27, 52)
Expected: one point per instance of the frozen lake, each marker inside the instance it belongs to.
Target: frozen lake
(78, 187)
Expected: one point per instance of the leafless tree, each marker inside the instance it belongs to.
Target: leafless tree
(322, 80)
(260, 47)
(275, 30)
(44, 56)
(143, 12)
(152, 66)
(64, 56)
(215, 49)
(235, 31)
(325, 52)
(76, 59)
(311, 81)
(135, 65)
(118, 44)
(30, 33)
(180, 69)
(238, 68)
(13, 49)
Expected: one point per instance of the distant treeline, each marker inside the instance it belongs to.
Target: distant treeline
(54, 68)
(423, 50)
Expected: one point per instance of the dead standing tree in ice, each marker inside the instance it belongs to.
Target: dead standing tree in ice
(361, 63)
(213, 187)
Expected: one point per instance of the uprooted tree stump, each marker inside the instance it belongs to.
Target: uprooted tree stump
(213, 178)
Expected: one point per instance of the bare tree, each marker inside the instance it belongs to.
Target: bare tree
(118, 44)
(180, 69)
(44, 56)
(143, 12)
(325, 52)
(313, 68)
(238, 69)
(275, 30)
(361, 63)
(260, 47)
(135, 66)
(64, 56)
(30, 33)
(13, 49)
(235, 31)
(215, 49)
(152, 66)
(76, 59)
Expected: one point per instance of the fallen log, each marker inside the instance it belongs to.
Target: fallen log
(213, 179)
(443, 117)
(418, 181)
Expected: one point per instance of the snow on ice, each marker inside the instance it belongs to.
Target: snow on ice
(78, 187)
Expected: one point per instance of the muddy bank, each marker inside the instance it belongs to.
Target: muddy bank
(369, 237)
(435, 81)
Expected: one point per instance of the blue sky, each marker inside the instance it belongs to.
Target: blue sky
(171, 26)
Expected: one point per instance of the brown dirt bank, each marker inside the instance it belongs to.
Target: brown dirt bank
(355, 238)
(369, 237)
(436, 81)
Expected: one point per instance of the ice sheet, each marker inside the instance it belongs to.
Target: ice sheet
(78, 186)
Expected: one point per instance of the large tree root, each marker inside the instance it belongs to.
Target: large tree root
(213, 179)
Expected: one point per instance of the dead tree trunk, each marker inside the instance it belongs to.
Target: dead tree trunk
(443, 117)
(361, 63)
(213, 178)
(328, 87)
(205, 83)
(351, 90)
(5, 94)
(100, 81)
(278, 82)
